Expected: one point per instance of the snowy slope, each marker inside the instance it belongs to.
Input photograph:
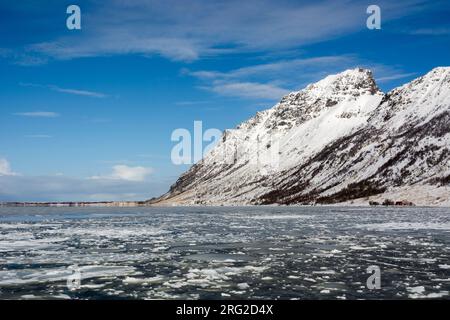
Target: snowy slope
(336, 140)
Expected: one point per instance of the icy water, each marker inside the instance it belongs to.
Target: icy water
(224, 253)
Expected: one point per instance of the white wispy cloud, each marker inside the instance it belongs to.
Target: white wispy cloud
(66, 188)
(38, 114)
(38, 136)
(386, 73)
(115, 197)
(5, 168)
(286, 68)
(396, 76)
(77, 92)
(192, 103)
(26, 59)
(123, 183)
(444, 31)
(272, 80)
(251, 90)
(127, 173)
(186, 31)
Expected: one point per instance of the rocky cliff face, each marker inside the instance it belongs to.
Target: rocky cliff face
(338, 140)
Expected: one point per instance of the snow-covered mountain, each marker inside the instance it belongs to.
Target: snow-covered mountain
(338, 140)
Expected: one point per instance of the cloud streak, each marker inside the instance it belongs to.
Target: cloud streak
(187, 31)
(396, 76)
(127, 173)
(5, 168)
(38, 114)
(25, 59)
(432, 31)
(77, 92)
(272, 80)
(124, 183)
(250, 90)
(64, 188)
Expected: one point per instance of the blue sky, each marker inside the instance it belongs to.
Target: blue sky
(88, 114)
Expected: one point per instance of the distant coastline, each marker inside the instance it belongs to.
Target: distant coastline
(76, 204)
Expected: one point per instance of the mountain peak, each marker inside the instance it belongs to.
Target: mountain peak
(436, 77)
(440, 69)
(353, 81)
(426, 84)
(438, 73)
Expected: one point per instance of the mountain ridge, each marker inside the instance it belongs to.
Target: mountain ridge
(338, 140)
